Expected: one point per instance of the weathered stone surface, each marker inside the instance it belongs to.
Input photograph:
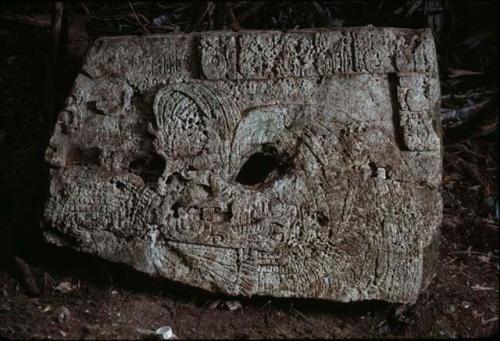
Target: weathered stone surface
(298, 164)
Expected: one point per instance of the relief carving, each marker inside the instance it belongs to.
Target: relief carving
(254, 176)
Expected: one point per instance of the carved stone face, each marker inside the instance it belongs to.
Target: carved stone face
(266, 172)
(231, 181)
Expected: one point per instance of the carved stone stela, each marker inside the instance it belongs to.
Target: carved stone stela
(297, 164)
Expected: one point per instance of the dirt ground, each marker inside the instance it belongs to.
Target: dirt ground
(49, 292)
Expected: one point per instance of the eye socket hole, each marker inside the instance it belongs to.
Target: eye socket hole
(148, 168)
(257, 168)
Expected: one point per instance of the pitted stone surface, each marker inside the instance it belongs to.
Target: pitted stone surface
(297, 164)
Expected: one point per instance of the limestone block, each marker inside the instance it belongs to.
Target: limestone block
(292, 164)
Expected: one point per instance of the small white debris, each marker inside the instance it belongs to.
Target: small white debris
(452, 309)
(62, 314)
(493, 319)
(478, 287)
(165, 332)
(233, 305)
(65, 287)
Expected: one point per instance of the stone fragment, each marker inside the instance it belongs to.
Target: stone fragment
(27, 277)
(62, 314)
(291, 164)
(233, 305)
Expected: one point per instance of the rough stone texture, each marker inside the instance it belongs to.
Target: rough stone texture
(298, 164)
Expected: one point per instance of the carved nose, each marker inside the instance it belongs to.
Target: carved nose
(55, 156)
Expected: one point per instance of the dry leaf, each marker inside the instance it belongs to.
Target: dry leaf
(65, 287)
(481, 288)
(454, 73)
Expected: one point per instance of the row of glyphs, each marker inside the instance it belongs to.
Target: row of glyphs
(304, 54)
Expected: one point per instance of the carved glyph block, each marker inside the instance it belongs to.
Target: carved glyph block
(298, 164)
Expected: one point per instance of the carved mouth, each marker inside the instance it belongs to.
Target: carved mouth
(250, 227)
(206, 214)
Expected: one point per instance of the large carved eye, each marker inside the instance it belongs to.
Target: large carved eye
(257, 168)
(264, 165)
(149, 168)
(262, 126)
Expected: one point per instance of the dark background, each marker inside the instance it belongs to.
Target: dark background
(38, 63)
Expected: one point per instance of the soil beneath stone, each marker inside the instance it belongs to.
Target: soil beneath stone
(50, 292)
